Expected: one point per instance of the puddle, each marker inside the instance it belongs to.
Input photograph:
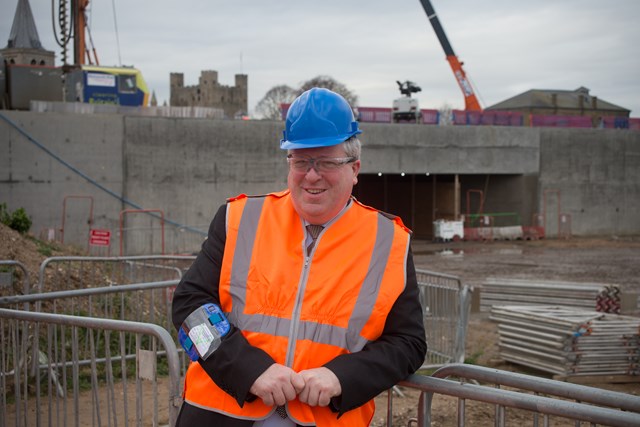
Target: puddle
(461, 251)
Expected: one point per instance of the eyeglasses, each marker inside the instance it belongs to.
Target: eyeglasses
(323, 164)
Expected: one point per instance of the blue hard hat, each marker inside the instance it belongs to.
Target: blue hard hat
(318, 118)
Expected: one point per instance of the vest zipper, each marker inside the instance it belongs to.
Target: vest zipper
(295, 316)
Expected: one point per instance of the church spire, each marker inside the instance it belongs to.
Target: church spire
(24, 34)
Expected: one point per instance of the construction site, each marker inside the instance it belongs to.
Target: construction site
(525, 238)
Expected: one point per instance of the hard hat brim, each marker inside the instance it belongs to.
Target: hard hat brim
(316, 142)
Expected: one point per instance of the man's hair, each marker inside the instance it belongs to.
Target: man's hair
(352, 147)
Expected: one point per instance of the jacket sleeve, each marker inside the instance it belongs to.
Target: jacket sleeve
(381, 364)
(199, 286)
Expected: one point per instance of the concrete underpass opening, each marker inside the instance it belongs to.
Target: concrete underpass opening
(421, 199)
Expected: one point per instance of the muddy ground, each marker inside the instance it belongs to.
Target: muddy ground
(611, 260)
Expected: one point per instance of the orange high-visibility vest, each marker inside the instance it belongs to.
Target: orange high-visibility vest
(304, 310)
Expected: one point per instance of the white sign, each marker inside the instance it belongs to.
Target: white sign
(104, 80)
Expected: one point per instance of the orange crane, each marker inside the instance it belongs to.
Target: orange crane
(470, 100)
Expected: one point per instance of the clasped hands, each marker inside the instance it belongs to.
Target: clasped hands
(280, 384)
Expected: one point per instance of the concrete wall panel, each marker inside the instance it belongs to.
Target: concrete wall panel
(450, 149)
(188, 167)
(597, 173)
(38, 182)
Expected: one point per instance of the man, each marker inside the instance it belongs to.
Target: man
(318, 325)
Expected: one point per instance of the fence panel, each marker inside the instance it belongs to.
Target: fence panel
(430, 117)
(74, 272)
(445, 304)
(14, 278)
(535, 397)
(561, 121)
(143, 302)
(74, 371)
(374, 115)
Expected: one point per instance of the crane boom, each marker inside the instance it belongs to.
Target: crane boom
(470, 100)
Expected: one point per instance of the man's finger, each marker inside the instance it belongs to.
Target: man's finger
(298, 382)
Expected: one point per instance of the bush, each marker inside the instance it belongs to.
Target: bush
(17, 220)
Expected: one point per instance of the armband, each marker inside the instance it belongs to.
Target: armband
(201, 332)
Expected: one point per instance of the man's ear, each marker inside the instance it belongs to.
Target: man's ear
(356, 169)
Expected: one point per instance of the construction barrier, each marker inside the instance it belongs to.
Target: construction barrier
(14, 278)
(141, 302)
(446, 304)
(429, 117)
(374, 115)
(132, 370)
(541, 398)
(78, 371)
(569, 342)
(82, 221)
(532, 233)
(487, 118)
(538, 120)
(609, 122)
(564, 226)
(60, 273)
(586, 296)
(445, 231)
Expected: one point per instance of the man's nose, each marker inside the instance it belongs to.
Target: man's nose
(313, 172)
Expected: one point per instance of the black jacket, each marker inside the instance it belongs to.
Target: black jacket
(236, 364)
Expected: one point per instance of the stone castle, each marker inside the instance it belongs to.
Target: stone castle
(209, 92)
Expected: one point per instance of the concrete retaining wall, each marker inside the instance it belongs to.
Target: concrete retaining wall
(188, 167)
(597, 174)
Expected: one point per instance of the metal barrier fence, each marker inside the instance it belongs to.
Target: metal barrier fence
(14, 278)
(122, 365)
(75, 371)
(83, 272)
(446, 304)
(143, 302)
(614, 409)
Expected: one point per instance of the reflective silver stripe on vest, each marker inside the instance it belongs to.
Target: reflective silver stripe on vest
(371, 285)
(349, 338)
(242, 256)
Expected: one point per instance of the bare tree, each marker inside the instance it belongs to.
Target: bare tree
(331, 84)
(270, 105)
(446, 115)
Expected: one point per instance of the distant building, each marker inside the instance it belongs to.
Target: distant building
(560, 103)
(210, 93)
(23, 46)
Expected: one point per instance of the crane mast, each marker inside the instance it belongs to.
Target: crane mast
(470, 100)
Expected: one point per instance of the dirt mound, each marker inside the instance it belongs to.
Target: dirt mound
(29, 251)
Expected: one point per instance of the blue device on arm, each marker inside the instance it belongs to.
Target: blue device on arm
(201, 332)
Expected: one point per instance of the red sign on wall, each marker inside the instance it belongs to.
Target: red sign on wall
(99, 237)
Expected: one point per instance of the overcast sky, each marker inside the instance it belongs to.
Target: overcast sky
(507, 46)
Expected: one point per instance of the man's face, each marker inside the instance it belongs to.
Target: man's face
(319, 196)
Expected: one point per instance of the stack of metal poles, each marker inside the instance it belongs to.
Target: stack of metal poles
(600, 297)
(567, 341)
